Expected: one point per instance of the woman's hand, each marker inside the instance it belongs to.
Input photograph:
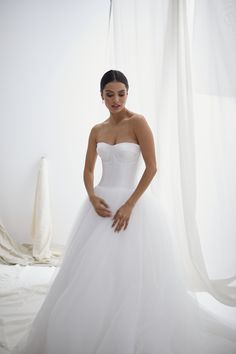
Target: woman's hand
(121, 217)
(100, 206)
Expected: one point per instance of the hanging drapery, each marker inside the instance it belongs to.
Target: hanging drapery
(42, 224)
(151, 42)
(40, 251)
(219, 288)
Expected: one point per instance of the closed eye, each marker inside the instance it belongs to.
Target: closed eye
(120, 95)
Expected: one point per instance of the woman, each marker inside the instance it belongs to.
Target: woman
(119, 289)
(121, 127)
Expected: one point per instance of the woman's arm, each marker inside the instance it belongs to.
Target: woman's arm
(146, 142)
(90, 159)
(99, 204)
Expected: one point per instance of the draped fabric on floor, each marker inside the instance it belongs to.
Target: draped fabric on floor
(179, 57)
(40, 250)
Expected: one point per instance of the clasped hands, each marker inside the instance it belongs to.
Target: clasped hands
(120, 218)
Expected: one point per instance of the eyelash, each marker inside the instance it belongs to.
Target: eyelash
(112, 95)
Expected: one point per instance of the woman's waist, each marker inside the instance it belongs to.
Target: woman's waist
(117, 181)
(114, 196)
(115, 188)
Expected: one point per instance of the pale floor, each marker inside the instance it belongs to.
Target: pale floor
(23, 289)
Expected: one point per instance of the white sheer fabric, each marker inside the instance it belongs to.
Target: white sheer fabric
(168, 50)
(42, 223)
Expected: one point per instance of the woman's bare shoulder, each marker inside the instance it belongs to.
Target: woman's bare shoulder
(141, 127)
(138, 119)
(100, 124)
(97, 127)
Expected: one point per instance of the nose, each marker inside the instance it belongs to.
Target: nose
(116, 99)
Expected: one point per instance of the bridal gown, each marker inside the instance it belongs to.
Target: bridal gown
(123, 293)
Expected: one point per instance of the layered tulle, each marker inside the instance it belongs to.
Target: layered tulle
(123, 293)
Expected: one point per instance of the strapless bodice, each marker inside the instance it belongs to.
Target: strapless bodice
(119, 164)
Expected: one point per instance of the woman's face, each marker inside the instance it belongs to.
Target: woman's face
(115, 95)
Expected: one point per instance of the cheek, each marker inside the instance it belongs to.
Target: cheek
(107, 101)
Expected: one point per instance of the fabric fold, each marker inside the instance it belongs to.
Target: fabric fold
(42, 224)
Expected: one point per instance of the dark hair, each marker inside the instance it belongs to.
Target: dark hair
(113, 75)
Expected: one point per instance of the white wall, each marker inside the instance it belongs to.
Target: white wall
(53, 54)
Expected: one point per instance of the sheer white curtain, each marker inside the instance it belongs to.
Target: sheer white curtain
(179, 58)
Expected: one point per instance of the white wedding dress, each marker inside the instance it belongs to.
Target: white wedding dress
(123, 293)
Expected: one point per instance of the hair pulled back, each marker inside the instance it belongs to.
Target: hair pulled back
(111, 76)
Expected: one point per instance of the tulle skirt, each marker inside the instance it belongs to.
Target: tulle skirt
(123, 293)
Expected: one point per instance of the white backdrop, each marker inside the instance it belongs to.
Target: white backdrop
(52, 58)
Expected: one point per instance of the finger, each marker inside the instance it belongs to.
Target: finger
(104, 203)
(119, 225)
(104, 216)
(118, 228)
(117, 214)
(117, 220)
(105, 212)
(103, 208)
(126, 224)
(114, 222)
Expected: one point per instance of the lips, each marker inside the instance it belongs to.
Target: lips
(115, 106)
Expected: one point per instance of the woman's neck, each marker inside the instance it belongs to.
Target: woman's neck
(116, 118)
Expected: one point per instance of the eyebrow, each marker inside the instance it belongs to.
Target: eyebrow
(113, 91)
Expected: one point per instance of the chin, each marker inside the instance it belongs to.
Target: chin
(113, 110)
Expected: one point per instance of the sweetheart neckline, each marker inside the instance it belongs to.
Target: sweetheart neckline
(123, 142)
